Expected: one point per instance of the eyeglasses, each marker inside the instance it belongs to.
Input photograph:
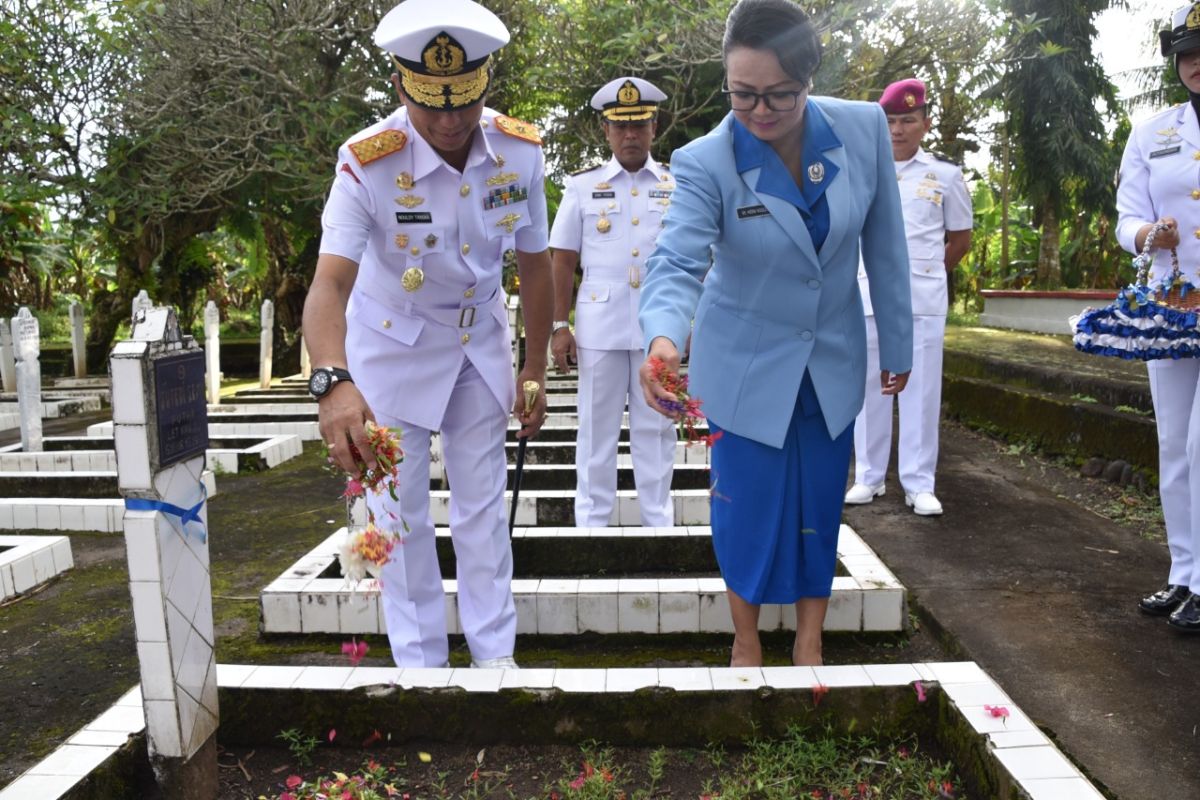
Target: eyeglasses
(776, 101)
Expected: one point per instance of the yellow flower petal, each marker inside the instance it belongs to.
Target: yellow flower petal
(425, 757)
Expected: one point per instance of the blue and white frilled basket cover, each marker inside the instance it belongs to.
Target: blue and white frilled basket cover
(1138, 325)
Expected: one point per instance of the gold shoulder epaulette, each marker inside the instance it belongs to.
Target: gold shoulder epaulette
(376, 147)
(519, 129)
(585, 169)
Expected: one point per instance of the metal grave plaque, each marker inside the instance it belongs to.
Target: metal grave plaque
(180, 407)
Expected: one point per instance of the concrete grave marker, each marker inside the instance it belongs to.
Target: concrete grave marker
(8, 363)
(161, 432)
(266, 344)
(305, 361)
(78, 348)
(141, 303)
(212, 349)
(28, 339)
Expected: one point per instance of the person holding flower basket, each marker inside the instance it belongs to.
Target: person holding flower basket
(407, 323)
(781, 195)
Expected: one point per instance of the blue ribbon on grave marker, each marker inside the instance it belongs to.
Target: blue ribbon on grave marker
(185, 515)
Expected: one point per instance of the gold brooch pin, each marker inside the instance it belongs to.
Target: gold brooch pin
(404, 181)
(507, 222)
(602, 185)
(498, 161)
(401, 240)
(602, 224)
(410, 200)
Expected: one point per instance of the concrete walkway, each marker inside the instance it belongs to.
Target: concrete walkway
(1042, 593)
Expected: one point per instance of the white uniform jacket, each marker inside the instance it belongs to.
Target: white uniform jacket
(629, 208)
(408, 212)
(1160, 177)
(935, 200)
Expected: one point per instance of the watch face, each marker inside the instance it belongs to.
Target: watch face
(319, 383)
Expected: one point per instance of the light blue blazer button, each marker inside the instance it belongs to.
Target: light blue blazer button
(814, 284)
(806, 335)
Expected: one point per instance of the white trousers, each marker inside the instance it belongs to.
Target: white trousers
(1175, 388)
(607, 378)
(414, 605)
(920, 407)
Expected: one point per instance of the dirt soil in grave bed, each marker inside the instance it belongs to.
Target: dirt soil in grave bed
(426, 770)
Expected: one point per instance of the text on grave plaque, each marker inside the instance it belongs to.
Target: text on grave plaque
(180, 407)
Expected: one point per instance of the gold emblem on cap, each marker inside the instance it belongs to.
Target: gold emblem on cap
(401, 240)
(443, 56)
(602, 224)
(816, 172)
(404, 181)
(431, 240)
(910, 100)
(410, 201)
(507, 222)
(1193, 17)
(628, 94)
(413, 279)
(503, 178)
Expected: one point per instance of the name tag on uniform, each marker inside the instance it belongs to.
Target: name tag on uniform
(411, 217)
(749, 212)
(1166, 151)
(603, 195)
(660, 192)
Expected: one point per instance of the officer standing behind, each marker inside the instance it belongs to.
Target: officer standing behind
(407, 300)
(611, 215)
(937, 225)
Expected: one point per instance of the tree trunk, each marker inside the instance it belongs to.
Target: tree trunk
(1005, 181)
(288, 276)
(1049, 268)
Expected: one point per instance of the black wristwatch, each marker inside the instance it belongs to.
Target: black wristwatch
(323, 379)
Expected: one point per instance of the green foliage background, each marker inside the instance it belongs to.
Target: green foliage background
(143, 146)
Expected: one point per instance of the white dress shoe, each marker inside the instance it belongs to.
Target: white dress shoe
(861, 493)
(923, 503)
(503, 662)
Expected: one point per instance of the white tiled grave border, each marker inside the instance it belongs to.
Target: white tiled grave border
(274, 451)
(30, 561)
(869, 599)
(1031, 760)
(72, 513)
(307, 431)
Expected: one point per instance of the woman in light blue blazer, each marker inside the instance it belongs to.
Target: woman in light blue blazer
(760, 248)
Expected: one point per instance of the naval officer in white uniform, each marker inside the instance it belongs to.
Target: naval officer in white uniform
(608, 221)
(1160, 182)
(937, 227)
(406, 321)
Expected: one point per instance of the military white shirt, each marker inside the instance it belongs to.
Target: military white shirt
(934, 197)
(1160, 177)
(611, 217)
(430, 243)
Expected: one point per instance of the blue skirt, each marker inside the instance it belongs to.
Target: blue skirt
(776, 511)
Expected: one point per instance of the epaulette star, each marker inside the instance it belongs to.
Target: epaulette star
(518, 128)
(376, 147)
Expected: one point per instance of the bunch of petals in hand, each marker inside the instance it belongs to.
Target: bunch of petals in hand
(365, 551)
(684, 407)
(385, 444)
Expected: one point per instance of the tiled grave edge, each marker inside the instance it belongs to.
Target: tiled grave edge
(307, 431)
(30, 561)
(272, 452)
(870, 598)
(72, 513)
(1021, 751)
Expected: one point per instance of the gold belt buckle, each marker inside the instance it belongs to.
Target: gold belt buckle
(466, 317)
